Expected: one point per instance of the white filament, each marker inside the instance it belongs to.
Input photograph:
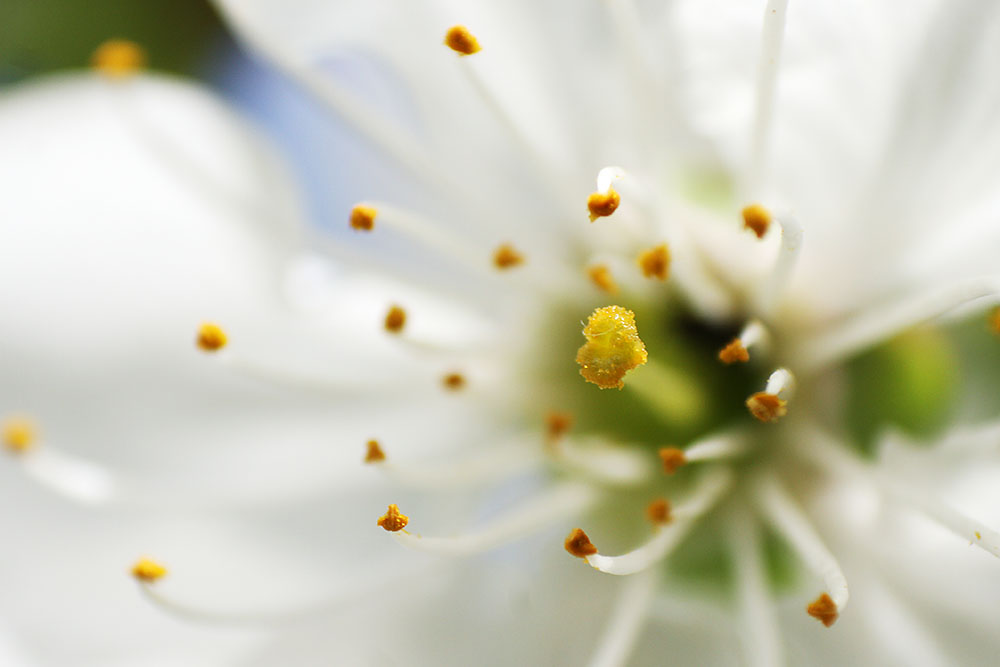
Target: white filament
(605, 463)
(716, 447)
(755, 335)
(788, 254)
(772, 37)
(493, 465)
(627, 618)
(781, 383)
(69, 476)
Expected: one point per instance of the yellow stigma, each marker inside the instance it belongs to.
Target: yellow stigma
(148, 570)
(211, 337)
(603, 204)
(18, 434)
(767, 407)
(658, 512)
(600, 275)
(118, 58)
(392, 521)
(363, 218)
(995, 321)
(613, 347)
(395, 319)
(655, 262)
(460, 40)
(672, 459)
(579, 545)
(757, 219)
(734, 352)
(374, 454)
(824, 609)
(453, 381)
(506, 257)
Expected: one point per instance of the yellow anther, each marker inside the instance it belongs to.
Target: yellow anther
(613, 347)
(579, 545)
(734, 352)
(767, 407)
(757, 219)
(672, 459)
(363, 218)
(392, 520)
(824, 609)
(374, 454)
(18, 434)
(600, 275)
(460, 40)
(658, 511)
(557, 424)
(118, 58)
(995, 321)
(395, 319)
(453, 381)
(603, 204)
(507, 257)
(148, 570)
(211, 337)
(655, 262)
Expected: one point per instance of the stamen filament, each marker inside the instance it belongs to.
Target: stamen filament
(603, 462)
(770, 405)
(715, 448)
(69, 476)
(627, 618)
(788, 254)
(753, 335)
(492, 465)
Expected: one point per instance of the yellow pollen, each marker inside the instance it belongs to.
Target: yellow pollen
(658, 511)
(374, 454)
(603, 204)
(18, 434)
(824, 609)
(118, 58)
(392, 520)
(454, 381)
(672, 459)
(995, 321)
(211, 337)
(363, 218)
(579, 545)
(767, 407)
(506, 257)
(757, 219)
(459, 39)
(600, 275)
(613, 347)
(395, 319)
(655, 262)
(148, 570)
(734, 352)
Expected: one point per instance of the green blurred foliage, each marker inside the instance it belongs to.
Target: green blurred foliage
(38, 36)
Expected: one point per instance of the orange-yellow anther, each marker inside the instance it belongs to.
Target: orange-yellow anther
(395, 319)
(374, 453)
(734, 352)
(211, 337)
(824, 609)
(613, 347)
(655, 262)
(18, 434)
(579, 545)
(767, 407)
(453, 381)
(757, 219)
(600, 275)
(557, 424)
(392, 520)
(148, 570)
(507, 257)
(658, 511)
(363, 218)
(118, 58)
(603, 204)
(672, 459)
(995, 321)
(460, 40)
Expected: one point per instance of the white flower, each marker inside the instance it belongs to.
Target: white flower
(780, 190)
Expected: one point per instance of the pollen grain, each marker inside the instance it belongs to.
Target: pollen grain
(18, 434)
(658, 512)
(579, 545)
(767, 407)
(600, 276)
(734, 352)
(672, 459)
(655, 262)
(395, 319)
(118, 58)
(393, 521)
(362, 218)
(211, 337)
(374, 453)
(757, 219)
(148, 570)
(507, 257)
(603, 204)
(461, 41)
(824, 609)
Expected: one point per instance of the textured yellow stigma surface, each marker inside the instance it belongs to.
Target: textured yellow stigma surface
(613, 347)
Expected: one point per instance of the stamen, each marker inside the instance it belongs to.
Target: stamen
(757, 219)
(658, 512)
(460, 40)
(716, 448)
(734, 352)
(706, 494)
(579, 545)
(768, 405)
(604, 462)
(605, 200)
(118, 58)
(454, 381)
(630, 612)
(557, 503)
(506, 257)
(392, 521)
(497, 463)
(374, 454)
(655, 262)
(788, 254)
(395, 319)
(754, 334)
(600, 275)
(672, 458)
(18, 433)
(148, 570)
(767, 77)
(613, 347)
(995, 321)
(211, 337)
(68, 475)
(783, 513)
(557, 424)
(363, 218)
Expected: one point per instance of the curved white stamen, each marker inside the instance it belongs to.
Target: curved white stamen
(559, 502)
(496, 464)
(607, 176)
(788, 254)
(604, 462)
(755, 335)
(626, 621)
(715, 448)
(772, 36)
(872, 326)
(783, 513)
(684, 517)
(759, 626)
(781, 383)
(69, 476)
(271, 374)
